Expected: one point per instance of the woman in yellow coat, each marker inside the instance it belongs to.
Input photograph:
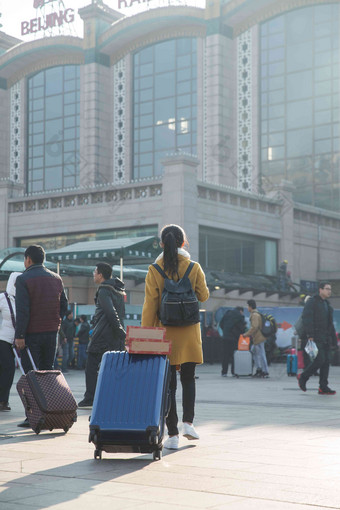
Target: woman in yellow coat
(186, 349)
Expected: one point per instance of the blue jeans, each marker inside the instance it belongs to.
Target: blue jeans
(65, 357)
(260, 358)
(82, 356)
(70, 351)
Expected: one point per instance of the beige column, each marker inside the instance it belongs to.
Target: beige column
(180, 196)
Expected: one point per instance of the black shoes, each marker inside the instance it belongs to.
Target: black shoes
(301, 383)
(85, 404)
(4, 406)
(326, 391)
(25, 424)
(260, 374)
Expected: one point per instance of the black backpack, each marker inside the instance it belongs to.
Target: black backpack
(269, 326)
(179, 304)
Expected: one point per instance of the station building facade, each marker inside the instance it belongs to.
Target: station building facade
(224, 119)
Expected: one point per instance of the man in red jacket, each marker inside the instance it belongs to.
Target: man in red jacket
(40, 304)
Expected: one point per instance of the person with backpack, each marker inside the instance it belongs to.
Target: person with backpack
(255, 332)
(173, 286)
(232, 325)
(7, 332)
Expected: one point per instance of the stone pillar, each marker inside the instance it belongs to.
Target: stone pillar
(219, 124)
(95, 125)
(96, 99)
(284, 192)
(180, 196)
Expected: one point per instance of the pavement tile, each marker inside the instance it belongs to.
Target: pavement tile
(10, 493)
(256, 504)
(68, 501)
(264, 445)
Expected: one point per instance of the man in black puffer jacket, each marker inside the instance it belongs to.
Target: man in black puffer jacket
(108, 326)
(317, 318)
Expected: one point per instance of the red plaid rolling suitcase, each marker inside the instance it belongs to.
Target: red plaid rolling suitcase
(47, 398)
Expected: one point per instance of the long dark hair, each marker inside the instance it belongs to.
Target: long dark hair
(172, 237)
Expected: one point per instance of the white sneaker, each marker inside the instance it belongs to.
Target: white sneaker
(189, 431)
(171, 443)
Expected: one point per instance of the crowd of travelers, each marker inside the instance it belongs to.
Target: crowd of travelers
(35, 314)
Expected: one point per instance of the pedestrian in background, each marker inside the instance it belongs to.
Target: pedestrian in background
(258, 339)
(40, 303)
(69, 330)
(186, 343)
(7, 332)
(317, 317)
(84, 337)
(233, 325)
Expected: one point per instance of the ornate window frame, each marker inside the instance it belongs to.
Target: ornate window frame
(244, 112)
(15, 132)
(119, 121)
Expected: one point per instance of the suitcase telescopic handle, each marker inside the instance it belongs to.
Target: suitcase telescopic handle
(18, 358)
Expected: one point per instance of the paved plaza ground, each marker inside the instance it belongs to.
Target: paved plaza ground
(264, 445)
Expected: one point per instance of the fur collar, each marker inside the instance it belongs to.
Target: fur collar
(181, 251)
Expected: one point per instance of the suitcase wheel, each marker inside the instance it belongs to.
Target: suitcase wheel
(153, 439)
(66, 429)
(97, 454)
(157, 455)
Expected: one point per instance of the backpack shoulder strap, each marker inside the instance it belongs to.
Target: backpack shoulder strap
(10, 308)
(160, 270)
(187, 272)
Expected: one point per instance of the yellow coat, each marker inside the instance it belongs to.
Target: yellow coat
(186, 342)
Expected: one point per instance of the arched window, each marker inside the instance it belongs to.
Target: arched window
(300, 92)
(164, 103)
(53, 129)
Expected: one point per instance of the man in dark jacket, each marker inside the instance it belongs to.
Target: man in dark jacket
(317, 317)
(233, 325)
(108, 326)
(40, 303)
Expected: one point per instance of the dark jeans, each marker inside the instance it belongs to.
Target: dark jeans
(91, 374)
(70, 358)
(7, 369)
(82, 356)
(65, 357)
(228, 349)
(188, 396)
(43, 348)
(322, 362)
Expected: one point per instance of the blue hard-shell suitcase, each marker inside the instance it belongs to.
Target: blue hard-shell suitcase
(131, 403)
(292, 364)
